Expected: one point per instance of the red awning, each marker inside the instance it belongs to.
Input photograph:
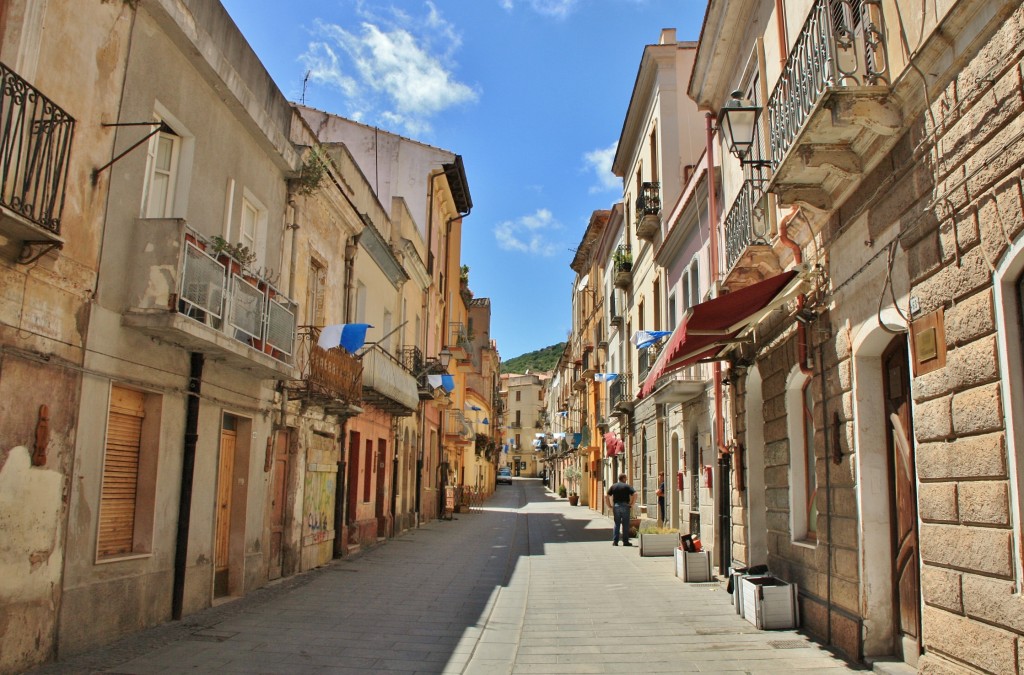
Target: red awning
(707, 329)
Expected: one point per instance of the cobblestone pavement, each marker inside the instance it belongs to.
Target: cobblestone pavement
(525, 584)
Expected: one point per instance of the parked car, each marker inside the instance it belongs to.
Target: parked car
(504, 475)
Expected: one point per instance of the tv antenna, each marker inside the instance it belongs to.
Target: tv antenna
(304, 81)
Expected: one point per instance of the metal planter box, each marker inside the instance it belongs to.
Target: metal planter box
(693, 567)
(769, 603)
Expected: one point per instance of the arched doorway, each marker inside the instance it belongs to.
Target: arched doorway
(886, 491)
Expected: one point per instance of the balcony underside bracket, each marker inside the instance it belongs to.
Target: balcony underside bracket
(811, 197)
(32, 251)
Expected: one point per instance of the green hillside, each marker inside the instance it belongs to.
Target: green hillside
(541, 359)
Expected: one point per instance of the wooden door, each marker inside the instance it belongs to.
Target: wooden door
(279, 498)
(380, 508)
(225, 478)
(903, 496)
(353, 476)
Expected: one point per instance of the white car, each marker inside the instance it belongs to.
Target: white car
(504, 476)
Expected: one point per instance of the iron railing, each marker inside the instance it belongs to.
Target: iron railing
(840, 45)
(648, 202)
(35, 143)
(618, 393)
(747, 221)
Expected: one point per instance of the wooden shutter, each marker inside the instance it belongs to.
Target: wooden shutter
(120, 472)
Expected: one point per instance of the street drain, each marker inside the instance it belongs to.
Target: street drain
(788, 644)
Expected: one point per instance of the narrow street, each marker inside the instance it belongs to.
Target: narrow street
(535, 587)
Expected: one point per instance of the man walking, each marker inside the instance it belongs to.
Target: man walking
(620, 498)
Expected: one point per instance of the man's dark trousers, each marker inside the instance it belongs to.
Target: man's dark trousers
(621, 513)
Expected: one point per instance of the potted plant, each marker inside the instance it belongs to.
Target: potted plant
(655, 540)
(237, 256)
(572, 474)
(562, 491)
(623, 260)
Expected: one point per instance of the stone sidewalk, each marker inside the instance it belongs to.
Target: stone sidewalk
(527, 584)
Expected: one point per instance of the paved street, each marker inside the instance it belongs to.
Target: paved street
(527, 584)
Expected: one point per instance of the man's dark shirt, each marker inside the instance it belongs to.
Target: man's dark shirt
(621, 492)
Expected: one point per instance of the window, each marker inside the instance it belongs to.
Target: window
(656, 299)
(518, 419)
(811, 482)
(128, 489)
(360, 302)
(315, 289)
(518, 395)
(654, 155)
(367, 469)
(252, 226)
(161, 175)
(386, 331)
(671, 311)
(540, 394)
(802, 471)
(694, 282)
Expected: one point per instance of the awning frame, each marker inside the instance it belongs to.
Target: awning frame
(736, 333)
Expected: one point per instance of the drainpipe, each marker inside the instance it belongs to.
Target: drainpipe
(341, 482)
(294, 227)
(188, 463)
(798, 257)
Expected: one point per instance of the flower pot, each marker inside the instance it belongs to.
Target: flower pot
(769, 603)
(574, 500)
(661, 544)
(693, 567)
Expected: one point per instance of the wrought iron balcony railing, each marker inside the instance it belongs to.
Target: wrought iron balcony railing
(35, 143)
(648, 210)
(618, 394)
(747, 222)
(840, 45)
(332, 378)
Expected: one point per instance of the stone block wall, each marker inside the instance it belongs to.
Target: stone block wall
(974, 145)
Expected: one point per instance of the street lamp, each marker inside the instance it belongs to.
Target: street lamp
(444, 357)
(738, 122)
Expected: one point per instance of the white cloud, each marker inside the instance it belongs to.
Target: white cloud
(390, 69)
(558, 9)
(528, 234)
(600, 162)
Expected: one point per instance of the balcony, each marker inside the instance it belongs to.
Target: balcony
(749, 257)
(35, 142)
(830, 117)
(648, 211)
(182, 292)
(589, 365)
(330, 378)
(619, 398)
(457, 428)
(680, 386)
(387, 384)
(458, 341)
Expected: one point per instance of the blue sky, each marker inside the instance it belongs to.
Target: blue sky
(531, 93)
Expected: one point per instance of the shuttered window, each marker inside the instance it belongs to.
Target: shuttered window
(120, 472)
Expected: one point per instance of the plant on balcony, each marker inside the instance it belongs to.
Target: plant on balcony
(238, 253)
(623, 259)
